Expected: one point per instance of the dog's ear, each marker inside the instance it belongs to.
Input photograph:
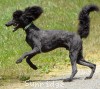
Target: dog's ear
(33, 12)
(17, 13)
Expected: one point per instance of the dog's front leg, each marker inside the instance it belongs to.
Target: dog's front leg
(33, 52)
(30, 63)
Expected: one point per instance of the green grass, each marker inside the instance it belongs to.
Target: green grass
(58, 14)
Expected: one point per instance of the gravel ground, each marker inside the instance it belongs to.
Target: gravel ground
(56, 83)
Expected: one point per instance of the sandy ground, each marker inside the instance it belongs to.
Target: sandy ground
(56, 82)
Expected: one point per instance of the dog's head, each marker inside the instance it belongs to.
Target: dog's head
(23, 18)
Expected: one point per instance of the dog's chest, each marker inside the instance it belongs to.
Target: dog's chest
(30, 41)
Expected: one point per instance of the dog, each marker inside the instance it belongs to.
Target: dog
(42, 41)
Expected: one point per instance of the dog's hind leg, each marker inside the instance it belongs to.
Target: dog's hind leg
(83, 62)
(73, 58)
(33, 52)
(30, 63)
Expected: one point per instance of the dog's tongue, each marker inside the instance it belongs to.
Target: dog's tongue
(15, 28)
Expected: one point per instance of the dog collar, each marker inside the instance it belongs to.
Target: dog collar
(26, 27)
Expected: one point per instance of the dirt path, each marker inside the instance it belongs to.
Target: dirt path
(56, 83)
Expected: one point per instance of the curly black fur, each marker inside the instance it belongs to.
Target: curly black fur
(47, 40)
(33, 12)
(84, 20)
(17, 14)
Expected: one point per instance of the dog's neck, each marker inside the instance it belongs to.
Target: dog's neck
(30, 27)
(27, 26)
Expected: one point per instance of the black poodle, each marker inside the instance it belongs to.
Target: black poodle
(47, 40)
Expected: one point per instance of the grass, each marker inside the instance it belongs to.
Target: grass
(58, 14)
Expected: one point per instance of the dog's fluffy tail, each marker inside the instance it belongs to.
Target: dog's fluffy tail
(84, 20)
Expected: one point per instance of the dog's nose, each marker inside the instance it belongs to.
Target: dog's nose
(6, 24)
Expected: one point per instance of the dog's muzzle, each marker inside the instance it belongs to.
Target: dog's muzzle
(9, 23)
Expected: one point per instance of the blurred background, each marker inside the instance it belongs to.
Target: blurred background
(58, 15)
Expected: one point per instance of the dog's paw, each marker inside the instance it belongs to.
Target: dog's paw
(67, 80)
(34, 67)
(88, 78)
(18, 61)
